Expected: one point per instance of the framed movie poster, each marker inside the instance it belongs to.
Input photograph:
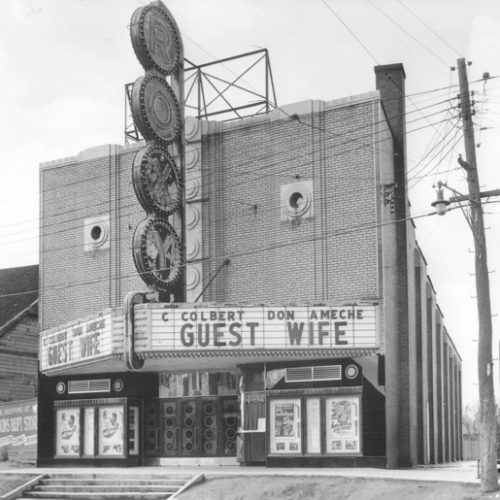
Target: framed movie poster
(111, 431)
(285, 426)
(68, 432)
(342, 425)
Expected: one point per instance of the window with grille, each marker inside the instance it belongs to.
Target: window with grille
(86, 386)
(313, 373)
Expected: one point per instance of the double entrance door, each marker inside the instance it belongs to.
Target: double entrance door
(191, 427)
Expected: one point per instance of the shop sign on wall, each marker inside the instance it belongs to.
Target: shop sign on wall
(18, 424)
(85, 340)
(248, 328)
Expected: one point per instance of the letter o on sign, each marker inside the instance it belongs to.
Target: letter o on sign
(155, 109)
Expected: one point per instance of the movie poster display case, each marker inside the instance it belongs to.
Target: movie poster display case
(98, 428)
(95, 420)
(315, 424)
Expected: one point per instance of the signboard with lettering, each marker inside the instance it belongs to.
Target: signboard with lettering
(82, 341)
(18, 429)
(161, 327)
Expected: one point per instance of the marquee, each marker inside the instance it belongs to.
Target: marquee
(163, 327)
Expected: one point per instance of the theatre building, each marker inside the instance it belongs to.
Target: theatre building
(307, 333)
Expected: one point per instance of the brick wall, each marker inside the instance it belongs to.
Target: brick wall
(74, 282)
(331, 256)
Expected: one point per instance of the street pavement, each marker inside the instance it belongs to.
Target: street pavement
(461, 472)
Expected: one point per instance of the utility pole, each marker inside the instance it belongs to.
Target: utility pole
(487, 432)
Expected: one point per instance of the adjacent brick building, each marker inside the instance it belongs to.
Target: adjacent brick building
(301, 213)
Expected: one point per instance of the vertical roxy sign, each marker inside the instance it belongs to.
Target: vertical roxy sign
(158, 169)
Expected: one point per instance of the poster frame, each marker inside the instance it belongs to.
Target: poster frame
(303, 396)
(294, 400)
(99, 429)
(76, 412)
(346, 452)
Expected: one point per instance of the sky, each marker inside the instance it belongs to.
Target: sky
(65, 63)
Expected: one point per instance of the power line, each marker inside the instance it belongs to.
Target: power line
(351, 32)
(237, 175)
(429, 28)
(447, 145)
(134, 205)
(264, 157)
(409, 34)
(340, 232)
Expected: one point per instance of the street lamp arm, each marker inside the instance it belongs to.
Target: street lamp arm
(462, 197)
(459, 196)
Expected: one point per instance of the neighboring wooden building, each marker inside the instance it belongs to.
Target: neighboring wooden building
(19, 330)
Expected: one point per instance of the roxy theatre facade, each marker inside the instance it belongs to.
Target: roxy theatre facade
(244, 292)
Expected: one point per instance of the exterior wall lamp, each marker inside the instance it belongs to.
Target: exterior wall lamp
(441, 205)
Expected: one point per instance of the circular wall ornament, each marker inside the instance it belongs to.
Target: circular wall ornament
(155, 109)
(193, 247)
(297, 200)
(351, 371)
(192, 126)
(98, 235)
(193, 277)
(157, 253)
(155, 38)
(118, 385)
(60, 387)
(156, 180)
(191, 158)
(192, 188)
(193, 216)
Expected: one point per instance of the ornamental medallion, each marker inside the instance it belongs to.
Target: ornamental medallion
(156, 180)
(155, 109)
(157, 253)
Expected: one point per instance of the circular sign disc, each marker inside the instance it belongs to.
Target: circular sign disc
(155, 109)
(156, 39)
(157, 253)
(156, 180)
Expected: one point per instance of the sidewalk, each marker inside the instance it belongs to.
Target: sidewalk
(460, 472)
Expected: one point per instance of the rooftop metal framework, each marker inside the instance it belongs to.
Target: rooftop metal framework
(231, 88)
